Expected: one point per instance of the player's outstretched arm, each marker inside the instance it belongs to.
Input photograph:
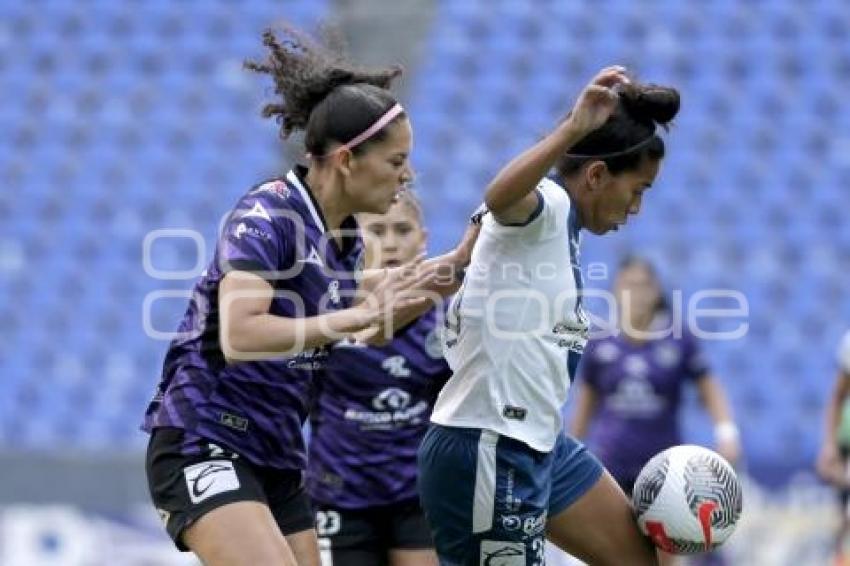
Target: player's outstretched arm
(510, 196)
(439, 276)
(250, 332)
(726, 435)
(433, 280)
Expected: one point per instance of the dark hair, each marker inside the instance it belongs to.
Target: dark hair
(629, 261)
(642, 107)
(322, 93)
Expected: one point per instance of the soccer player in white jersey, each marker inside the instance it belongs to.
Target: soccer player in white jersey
(497, 473)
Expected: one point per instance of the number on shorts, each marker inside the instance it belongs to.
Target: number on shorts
(328, 523)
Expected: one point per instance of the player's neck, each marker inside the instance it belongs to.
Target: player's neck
(334, 208)
(635, 330)
(578, 197)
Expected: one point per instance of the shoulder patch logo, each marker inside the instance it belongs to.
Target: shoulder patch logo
(276, 187)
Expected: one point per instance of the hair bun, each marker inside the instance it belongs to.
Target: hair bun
(650, 103)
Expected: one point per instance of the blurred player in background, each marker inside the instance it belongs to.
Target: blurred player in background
(834, 459)
(497, 472)
(631, 383)
(371, 411)
(226, 453)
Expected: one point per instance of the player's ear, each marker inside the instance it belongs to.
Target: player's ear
(596, 174)
(344, 159)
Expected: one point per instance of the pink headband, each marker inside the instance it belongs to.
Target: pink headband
(379, 125)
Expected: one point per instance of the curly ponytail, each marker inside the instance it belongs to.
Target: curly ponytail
(320, 92)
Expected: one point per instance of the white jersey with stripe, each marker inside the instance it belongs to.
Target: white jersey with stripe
(516, 329)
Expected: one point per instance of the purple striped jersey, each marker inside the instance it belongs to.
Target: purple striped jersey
(257, 408)
(371, 410)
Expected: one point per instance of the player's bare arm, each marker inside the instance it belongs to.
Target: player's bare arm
(510, 196)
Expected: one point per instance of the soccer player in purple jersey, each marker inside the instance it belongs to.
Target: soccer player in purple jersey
(631, 384)
(371, 411)
(226, 452)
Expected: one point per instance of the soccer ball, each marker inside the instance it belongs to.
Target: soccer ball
(687, 500)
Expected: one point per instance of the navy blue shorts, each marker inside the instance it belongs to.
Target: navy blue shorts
(487, 497)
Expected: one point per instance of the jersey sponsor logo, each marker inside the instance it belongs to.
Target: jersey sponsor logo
(314, 358)
(396, 366)
(514, 413)
(511, 522)
(312, 257)
(512, 504)
(392, 398)
(392, 411)
(333, 292)
(330, 479)
(210, 478)
(636, 397)
(243, 229)
(233, 421)
(571, 335)
(501, 553)
(258, 212)
(533, 526)
(278, 188)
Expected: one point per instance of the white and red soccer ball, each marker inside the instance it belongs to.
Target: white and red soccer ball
(687, 500)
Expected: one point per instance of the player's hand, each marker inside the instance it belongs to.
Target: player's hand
(394, 294)
(598, 100)
(463, 251)
(829, 464)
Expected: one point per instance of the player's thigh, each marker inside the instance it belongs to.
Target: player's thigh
(237, 534)
(599, 528)
(305, 547)
(408, 557)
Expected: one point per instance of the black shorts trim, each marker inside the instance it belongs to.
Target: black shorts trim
(184, 487)
(364, 537)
